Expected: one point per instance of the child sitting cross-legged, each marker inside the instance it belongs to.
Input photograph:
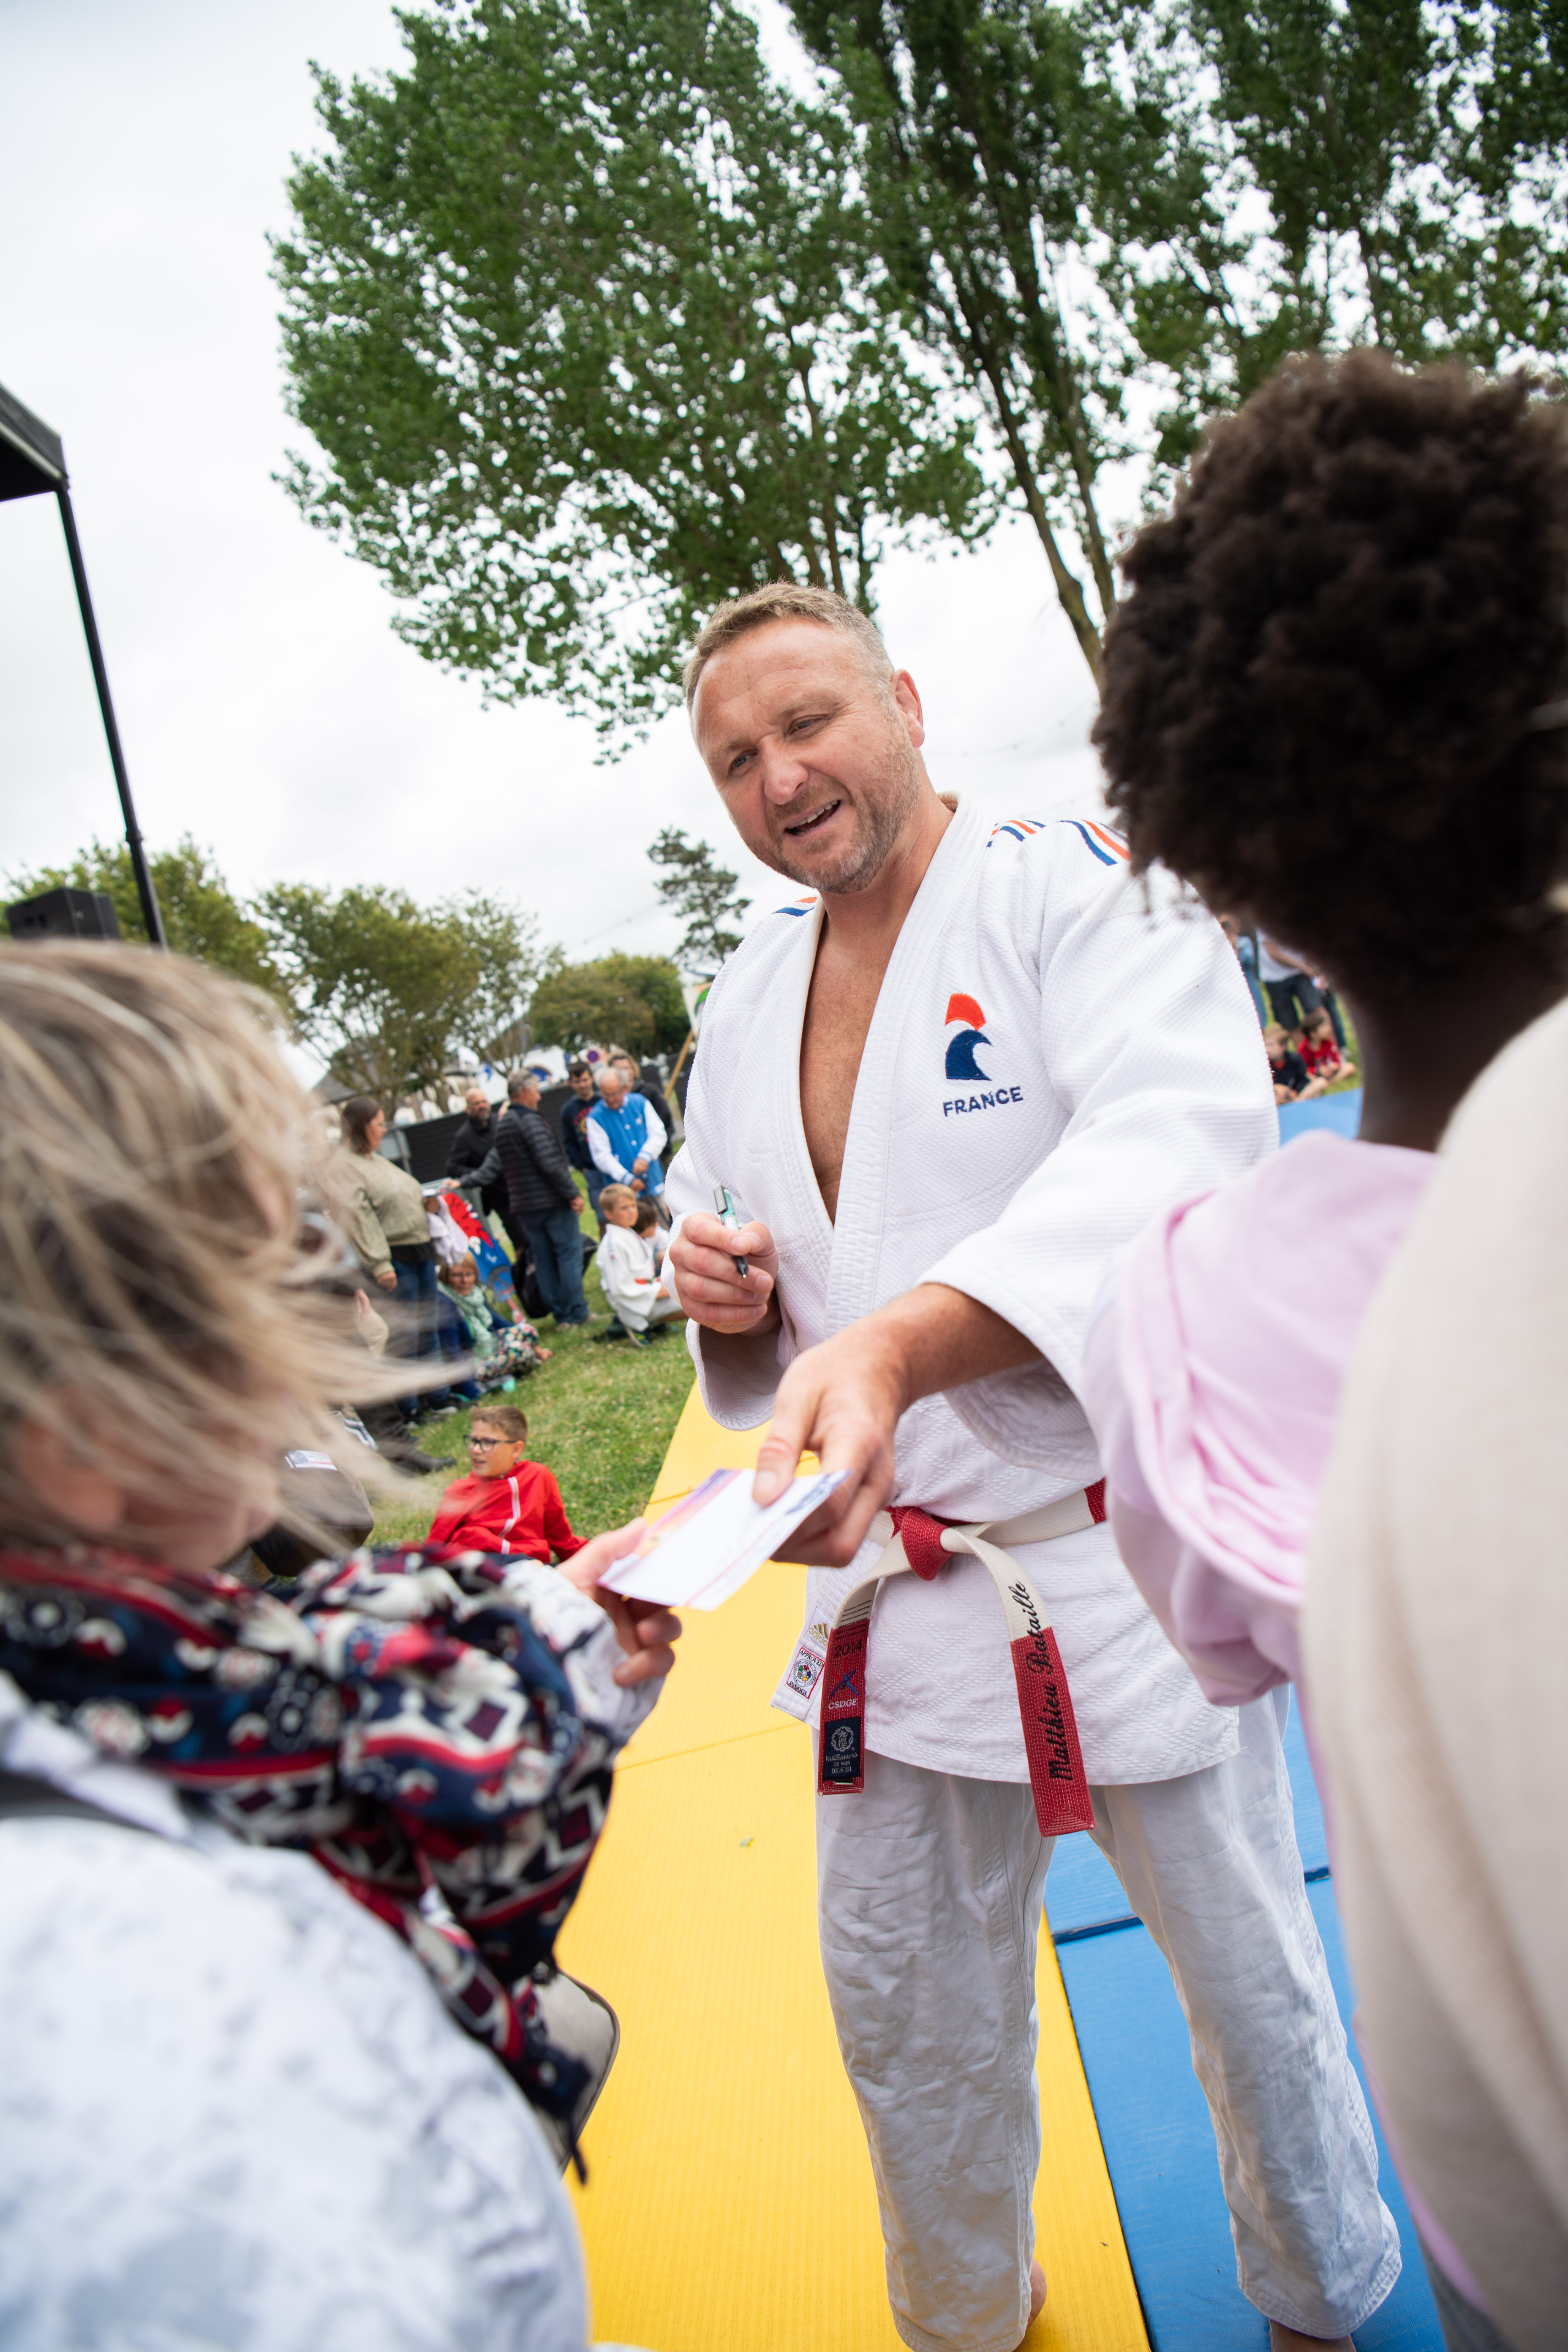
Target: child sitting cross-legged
(628, 1266)
(1293, 1082)
(1320, 1049)
(506, 1504)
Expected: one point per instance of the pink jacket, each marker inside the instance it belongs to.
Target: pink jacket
(1213, 1380)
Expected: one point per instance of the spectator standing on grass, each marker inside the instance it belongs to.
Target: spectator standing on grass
(545, 1198)
(574, 1117)
(391, 1235)
(1292, 992)
(472, 1146)
(626, 1135)
(1245, 943)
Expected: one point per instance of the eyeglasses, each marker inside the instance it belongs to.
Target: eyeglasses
(487, 1444)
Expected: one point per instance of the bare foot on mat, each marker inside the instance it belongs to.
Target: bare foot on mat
(1037, 2294)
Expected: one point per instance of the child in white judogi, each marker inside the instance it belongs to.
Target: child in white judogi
(628, 1262)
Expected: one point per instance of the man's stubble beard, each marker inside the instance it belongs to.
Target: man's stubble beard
(879, 823)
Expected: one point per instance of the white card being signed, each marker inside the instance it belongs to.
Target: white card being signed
(714, 1538)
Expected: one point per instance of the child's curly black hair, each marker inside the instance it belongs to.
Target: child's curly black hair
(1322, 698)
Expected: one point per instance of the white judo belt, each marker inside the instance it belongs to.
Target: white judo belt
(914, 1539)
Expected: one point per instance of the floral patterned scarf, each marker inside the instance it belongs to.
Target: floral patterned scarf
(407, 1718)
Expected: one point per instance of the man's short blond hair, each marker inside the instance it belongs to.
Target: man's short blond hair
(783, 601)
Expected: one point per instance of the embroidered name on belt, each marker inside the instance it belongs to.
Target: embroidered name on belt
(1062, 1801)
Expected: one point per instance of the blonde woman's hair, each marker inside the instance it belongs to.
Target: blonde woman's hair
(783, 601)
(160, 1288)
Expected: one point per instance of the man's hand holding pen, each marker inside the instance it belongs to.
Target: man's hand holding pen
(711, 1288)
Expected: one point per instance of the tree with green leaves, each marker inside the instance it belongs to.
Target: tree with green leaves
(582, 311)
(386, 990)
(621, 1000)
(985, 123)
(1113, 219)
(1404, 190)
(201, 914)
(696, 887)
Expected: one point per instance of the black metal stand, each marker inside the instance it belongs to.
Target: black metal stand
(151, 915)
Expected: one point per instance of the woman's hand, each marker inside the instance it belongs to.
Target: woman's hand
(645, 1629)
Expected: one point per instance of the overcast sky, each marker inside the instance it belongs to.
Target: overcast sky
(265, 705)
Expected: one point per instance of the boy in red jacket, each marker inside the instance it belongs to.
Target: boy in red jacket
(507, 1504)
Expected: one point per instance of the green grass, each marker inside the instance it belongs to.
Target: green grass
(599, 1417)
(1353, 1054)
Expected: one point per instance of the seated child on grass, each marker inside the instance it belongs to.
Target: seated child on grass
(1292, 1080)
(651, 1230)
(506, 1504)
(628, 1268)
(1320, 1049)
(501, 1350)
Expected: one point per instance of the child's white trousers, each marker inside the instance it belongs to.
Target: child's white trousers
(930, 1888)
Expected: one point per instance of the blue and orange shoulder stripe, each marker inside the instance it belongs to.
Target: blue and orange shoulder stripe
(1098, 839)
(798, 905)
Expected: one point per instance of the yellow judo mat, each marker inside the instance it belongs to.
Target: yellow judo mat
(729, 2205)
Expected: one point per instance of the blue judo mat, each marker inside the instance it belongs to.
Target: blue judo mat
(1340, 1112)
(1153, 2121)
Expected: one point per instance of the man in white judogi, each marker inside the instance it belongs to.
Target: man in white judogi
(949, 1081)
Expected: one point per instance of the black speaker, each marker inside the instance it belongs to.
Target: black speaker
(65, 915)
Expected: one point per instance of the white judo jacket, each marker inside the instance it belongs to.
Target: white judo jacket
(1056, 1052)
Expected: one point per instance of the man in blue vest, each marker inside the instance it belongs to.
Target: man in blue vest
(625, 1136)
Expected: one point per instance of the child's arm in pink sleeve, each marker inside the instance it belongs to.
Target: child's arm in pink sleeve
(1211, 1621)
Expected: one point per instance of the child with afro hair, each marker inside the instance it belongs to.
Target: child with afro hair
(1335, 701)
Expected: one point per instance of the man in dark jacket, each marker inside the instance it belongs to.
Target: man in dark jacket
(575, 1136)
(543, 1197)
(472, 1146)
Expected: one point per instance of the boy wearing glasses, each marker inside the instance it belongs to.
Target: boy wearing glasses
(506, 1504)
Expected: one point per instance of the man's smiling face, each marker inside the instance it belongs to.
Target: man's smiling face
(817, 762)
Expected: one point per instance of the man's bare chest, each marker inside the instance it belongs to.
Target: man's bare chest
(838, 1013)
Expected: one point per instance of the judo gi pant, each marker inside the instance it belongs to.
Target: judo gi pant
(931, 1888)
